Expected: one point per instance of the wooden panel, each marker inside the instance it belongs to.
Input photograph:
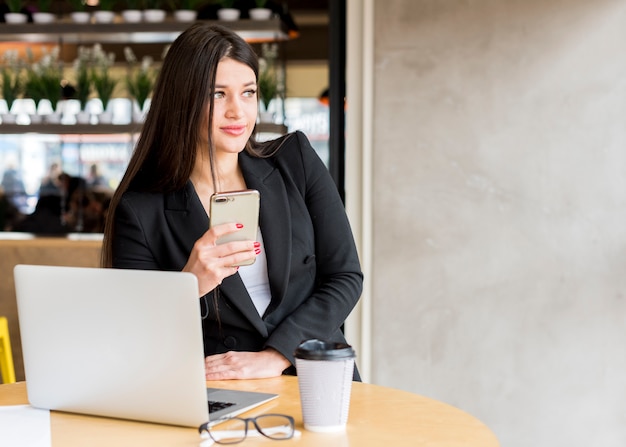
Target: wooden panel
(378, 416)
(41, 251)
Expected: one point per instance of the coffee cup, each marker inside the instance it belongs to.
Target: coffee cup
(325, 370)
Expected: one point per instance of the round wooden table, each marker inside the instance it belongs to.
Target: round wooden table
(379, 416)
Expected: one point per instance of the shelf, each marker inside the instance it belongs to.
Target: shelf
(271, 128)
(101, 129)
(65, 31)
(67, 129)
(143, 32)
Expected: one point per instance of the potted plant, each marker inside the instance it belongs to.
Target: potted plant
(186, 10)
(12, 84)
(132, 12)
(153, 12)
(83, 85)
(268, 82)
(260, 12)
(15, 14)
(105, 12)
(43, 14)
(103, 82)
(33, 89)
(51, 75)
(268, 89)
(139, 82)
(43, 81)
(79, 14)
(227, 10)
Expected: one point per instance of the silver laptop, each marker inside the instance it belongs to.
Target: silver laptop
(118, 343)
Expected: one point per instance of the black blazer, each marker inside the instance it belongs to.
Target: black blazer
(313, 267)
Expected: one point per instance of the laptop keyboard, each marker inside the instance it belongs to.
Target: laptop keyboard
(216, 406)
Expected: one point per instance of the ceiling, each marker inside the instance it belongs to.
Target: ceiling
(309, 16)
(311, 20)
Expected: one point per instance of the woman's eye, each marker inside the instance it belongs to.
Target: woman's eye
(218, 95)
(250, 93)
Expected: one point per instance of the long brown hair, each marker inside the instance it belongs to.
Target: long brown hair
(165, 153)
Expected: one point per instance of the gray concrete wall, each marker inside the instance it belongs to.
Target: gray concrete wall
(499, 199)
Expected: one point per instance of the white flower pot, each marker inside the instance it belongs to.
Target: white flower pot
(9, 118)
(154, 15)
(15, 17)
(266, 117)
(83, 117)
(260, 13)
(103, 16)
(138, 116)
(185, 15)
(80, 16)
(43, 17)
(35, 118)
(52, 118)
(228, 14)
(105, 117)
(132, 15)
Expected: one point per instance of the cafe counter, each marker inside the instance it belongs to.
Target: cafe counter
(81, 250)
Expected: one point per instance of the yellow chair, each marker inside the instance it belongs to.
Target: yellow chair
(6, 356)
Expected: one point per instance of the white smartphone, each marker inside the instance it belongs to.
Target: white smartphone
(236, 207)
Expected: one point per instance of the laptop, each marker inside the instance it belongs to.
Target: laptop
(119, 343)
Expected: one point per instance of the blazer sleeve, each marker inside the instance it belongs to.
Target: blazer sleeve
(131, 248)
(338, 277)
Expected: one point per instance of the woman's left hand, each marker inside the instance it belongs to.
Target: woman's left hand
(245, 365)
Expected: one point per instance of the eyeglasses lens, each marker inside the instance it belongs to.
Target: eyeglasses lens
(275, 426)
(234, 430)
(231, 431)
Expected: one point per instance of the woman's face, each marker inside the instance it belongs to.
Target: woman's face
(235, 106)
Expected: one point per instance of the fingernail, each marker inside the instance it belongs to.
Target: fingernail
(239, 225)
(257, 251)
(257, 244)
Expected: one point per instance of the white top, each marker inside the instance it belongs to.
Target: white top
(255, 279)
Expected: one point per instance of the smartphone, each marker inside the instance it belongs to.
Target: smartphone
(236, 207)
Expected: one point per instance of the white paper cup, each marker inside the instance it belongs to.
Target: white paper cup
(325, 372)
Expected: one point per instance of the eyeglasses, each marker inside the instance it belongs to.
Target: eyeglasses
(234, 430)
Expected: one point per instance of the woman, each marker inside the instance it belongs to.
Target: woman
(196, 140)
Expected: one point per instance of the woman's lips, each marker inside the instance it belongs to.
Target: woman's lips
(234, 130)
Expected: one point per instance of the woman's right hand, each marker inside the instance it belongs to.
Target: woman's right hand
(211, 263)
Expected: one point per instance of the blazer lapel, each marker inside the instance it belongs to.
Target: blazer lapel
(188, 222)
(233, 287)
(261, 175)
(186, 217)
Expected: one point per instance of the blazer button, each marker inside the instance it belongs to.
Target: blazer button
(230, 342)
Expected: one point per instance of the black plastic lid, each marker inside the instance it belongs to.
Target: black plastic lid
(315, 349)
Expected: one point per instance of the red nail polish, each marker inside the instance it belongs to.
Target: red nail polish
(239, 225)
(257, 244)
(257, 251)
